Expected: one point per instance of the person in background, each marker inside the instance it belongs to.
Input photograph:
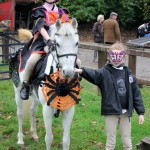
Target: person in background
(111, 29)
(44, 18)
(97, 32)
(143, 30)
(97, 29)
(120, 95)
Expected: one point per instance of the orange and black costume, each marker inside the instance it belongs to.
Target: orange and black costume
(43, 18)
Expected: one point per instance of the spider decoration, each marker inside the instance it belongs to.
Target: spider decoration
(61, 93)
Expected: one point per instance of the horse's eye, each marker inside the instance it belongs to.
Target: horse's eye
(57, 45)
(77, 44)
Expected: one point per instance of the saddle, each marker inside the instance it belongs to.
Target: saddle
(17, 62)
(39, 69)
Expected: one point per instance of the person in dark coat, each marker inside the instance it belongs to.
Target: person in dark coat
(44, 18)
(97, 32)
(120, 95)
(97, 29)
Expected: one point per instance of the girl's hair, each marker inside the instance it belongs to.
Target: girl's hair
(100, 18)
(118, 46)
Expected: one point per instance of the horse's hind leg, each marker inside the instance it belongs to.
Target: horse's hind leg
(20, 112)
(34, 108)
(67, 120)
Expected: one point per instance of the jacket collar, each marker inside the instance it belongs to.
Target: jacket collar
(110, 66)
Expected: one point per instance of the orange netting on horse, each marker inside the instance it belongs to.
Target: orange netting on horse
(60, 92)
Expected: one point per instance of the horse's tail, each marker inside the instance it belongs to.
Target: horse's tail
(24, 35)
(26, 108)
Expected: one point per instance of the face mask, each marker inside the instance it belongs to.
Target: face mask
(116, 57)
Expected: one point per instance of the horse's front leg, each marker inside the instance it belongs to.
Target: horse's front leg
(34, 108)
(19, 103)
(67, 120)
(48, 114)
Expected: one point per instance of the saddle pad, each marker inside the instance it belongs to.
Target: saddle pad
(39, 69)
(24, 55)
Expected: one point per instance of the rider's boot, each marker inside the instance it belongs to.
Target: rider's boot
(24, 93)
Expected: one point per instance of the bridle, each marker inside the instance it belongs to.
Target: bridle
(64, 55)
(54, 48)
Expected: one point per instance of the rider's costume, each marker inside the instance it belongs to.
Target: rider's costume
(45, 18)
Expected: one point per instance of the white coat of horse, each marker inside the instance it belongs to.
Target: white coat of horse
(66, 38)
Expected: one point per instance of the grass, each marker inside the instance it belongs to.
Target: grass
(87, 130)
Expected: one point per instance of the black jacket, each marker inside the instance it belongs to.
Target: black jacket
(97, 32)
(105, 80)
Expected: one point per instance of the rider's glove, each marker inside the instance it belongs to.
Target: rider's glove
(50, 43)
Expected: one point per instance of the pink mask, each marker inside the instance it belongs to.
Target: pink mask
(116, 56)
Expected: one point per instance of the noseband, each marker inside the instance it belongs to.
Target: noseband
(66, 55)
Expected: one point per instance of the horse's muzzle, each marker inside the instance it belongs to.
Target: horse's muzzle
(68, 73)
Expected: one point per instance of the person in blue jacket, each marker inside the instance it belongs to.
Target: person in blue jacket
(120, 95)
(143, 30)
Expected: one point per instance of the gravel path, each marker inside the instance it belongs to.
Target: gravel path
(143, 63)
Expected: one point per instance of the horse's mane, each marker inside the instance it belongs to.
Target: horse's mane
(65, 29)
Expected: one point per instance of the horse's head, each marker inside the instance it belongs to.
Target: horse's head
(66, 38)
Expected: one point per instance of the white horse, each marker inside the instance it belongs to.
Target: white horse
(66, 38)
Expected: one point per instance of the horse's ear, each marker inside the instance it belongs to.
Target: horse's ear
(74, 23)
(58, 24)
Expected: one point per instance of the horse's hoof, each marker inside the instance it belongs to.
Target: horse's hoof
(21, 145)
(20, 142)
(36, 139)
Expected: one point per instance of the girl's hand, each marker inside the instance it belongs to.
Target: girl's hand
(141, 119)
(79, 71)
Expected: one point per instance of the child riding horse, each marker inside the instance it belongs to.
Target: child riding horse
(44, 18)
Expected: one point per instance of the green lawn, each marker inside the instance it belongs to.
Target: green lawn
(87, 130)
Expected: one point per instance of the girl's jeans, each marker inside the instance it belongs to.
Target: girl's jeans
(111, 123)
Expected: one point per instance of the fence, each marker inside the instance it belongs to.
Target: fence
(8, 44)
(132, 52)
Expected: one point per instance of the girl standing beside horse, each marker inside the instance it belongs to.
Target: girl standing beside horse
(120, 95)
